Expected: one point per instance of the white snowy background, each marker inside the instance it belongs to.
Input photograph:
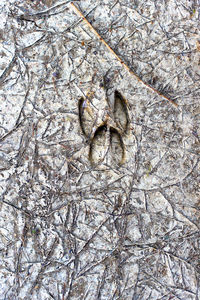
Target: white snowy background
(72, 230)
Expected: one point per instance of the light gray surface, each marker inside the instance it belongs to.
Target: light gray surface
(71, 230)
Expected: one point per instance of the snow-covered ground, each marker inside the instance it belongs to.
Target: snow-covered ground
(77, 222)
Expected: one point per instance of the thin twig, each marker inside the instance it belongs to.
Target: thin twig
(119, 59)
